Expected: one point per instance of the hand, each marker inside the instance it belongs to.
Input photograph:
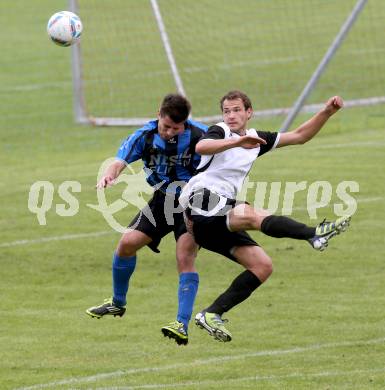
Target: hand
(334, 104)
(105, 181)
(250, 141)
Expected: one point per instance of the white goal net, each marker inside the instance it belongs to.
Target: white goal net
(134, 52)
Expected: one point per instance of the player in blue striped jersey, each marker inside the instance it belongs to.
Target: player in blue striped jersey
(167, 148)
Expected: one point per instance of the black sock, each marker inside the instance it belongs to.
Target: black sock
(240, 289)
(278, 226)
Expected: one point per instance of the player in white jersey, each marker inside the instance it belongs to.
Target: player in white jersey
(219, 222)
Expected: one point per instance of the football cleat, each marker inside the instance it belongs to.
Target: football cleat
(327, 230)
(213, 323)
(106, 308)
(176, 330)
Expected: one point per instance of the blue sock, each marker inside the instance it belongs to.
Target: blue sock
(188, 288)
(122, 269)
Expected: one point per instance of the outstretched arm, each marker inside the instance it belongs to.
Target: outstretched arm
(213, 146)
(310, 128)
(112, 172)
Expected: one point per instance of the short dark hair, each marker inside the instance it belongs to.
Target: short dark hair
(175, 106)
(235, 94)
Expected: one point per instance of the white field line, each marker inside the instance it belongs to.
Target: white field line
(55, 238)
(256, 378)
(358, 200)
(106, 232)
(358, 144)
(202, 362)
(37, 86)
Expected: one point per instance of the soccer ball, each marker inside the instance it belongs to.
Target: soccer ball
(64, 28)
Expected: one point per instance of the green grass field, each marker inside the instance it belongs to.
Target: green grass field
(318, 323)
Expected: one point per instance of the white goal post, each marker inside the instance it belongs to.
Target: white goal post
(132, 53)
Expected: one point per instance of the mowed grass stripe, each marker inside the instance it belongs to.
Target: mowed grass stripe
(204, 362)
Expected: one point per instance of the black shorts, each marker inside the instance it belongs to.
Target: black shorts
(211, 232)
(160, 210)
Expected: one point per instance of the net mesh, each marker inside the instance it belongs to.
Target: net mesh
(269, 49)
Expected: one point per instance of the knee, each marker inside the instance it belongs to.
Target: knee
(186, 262)
(186, 252)
(126, 248)
(267, 266)
(263, 268)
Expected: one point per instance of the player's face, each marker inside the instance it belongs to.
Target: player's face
(168, 129)
(235, 115)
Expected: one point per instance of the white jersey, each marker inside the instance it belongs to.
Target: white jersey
(224, 173)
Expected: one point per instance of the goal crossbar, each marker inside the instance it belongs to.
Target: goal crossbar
(309, 108)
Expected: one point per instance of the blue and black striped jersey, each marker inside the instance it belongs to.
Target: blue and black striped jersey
(164, 161)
